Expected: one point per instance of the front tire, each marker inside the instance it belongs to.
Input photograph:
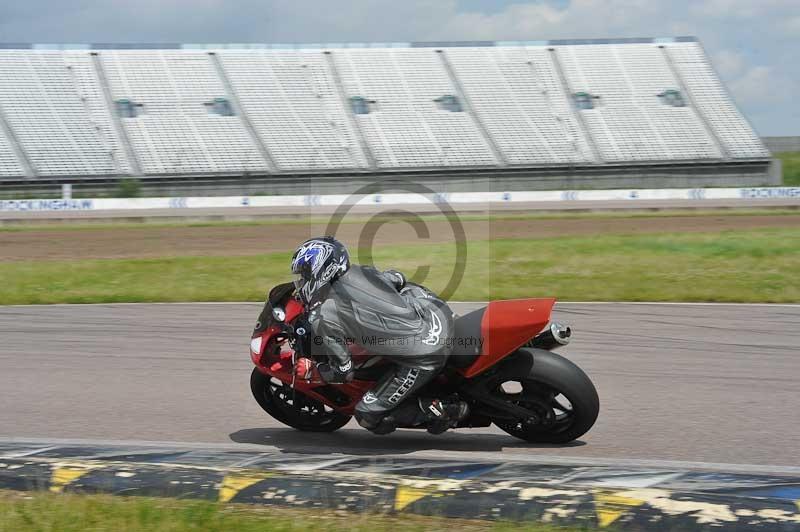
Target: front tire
(552, 379)
(293, 407)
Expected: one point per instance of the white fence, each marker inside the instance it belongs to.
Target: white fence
(454, 198)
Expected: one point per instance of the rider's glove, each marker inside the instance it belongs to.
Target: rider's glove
(335, 374)
(303, 368)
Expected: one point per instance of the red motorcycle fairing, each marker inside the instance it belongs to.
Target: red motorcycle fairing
(274, 359)
(506, 326)
(280, 366)
(293, 309)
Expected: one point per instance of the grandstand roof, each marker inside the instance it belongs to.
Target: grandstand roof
(413, 44)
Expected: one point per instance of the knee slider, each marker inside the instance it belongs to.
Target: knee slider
(368, 420)
(377, 424)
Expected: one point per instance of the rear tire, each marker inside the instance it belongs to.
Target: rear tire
(551, 378)
(293, 407)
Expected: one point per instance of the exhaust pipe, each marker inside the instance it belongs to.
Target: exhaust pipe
(553, 337)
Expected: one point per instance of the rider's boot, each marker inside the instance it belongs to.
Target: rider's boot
(443, 414)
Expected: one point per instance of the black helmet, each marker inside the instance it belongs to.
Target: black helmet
(318, 261)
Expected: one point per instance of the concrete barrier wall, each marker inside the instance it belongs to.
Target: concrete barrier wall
(782, 144)
(723, 174)
(455, 198)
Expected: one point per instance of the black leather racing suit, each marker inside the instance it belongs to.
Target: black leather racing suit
(406, 325)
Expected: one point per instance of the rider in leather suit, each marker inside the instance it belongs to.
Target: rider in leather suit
(379, 311)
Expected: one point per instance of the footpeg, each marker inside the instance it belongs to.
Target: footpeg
(443, 415)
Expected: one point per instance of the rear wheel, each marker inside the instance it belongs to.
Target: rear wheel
(292, 407)
(559, 393)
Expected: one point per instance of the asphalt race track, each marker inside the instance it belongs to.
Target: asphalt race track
(696, 383)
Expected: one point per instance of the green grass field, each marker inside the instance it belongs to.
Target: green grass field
(41, 511)
(734, 266)
(791, 168)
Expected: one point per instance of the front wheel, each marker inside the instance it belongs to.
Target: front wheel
(292, 407)
(559, 392)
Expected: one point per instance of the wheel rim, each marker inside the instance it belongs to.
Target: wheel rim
(554, 411)
(297, 406)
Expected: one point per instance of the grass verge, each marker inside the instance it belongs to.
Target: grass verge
(39, 511)
(735, 266)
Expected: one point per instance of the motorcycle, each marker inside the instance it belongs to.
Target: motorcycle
(501, 364)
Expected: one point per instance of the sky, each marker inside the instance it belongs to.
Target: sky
(753, 44)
